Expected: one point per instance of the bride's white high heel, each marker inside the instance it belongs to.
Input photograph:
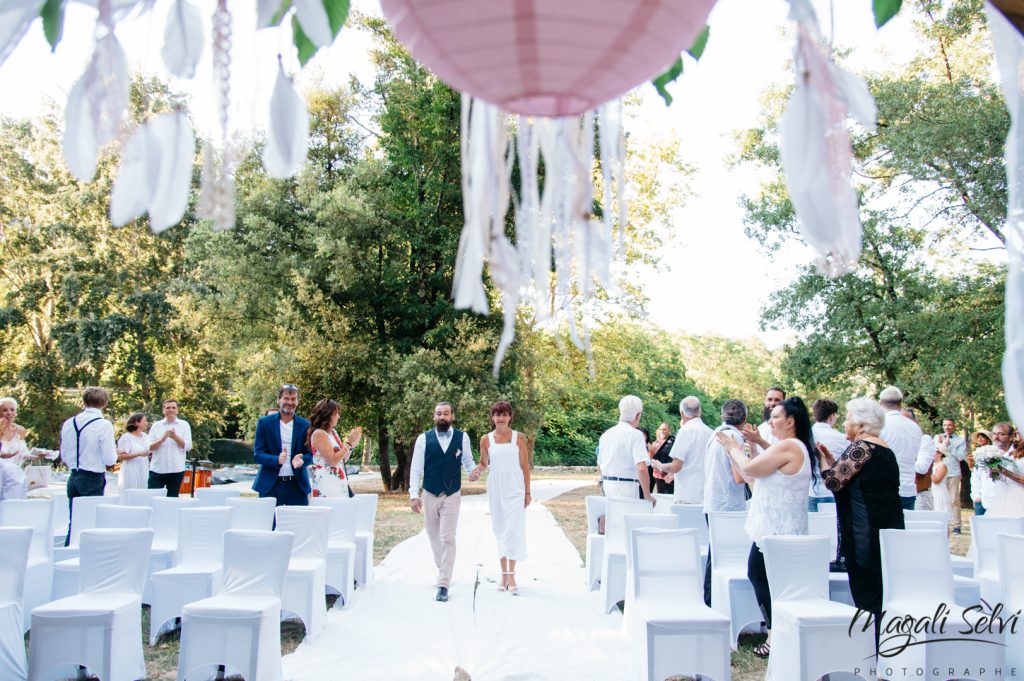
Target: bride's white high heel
(504, 581)
(514, 590)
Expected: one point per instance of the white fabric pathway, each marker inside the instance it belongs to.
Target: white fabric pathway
(553, 629)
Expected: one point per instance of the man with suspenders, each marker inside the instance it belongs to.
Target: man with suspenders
(87, 448)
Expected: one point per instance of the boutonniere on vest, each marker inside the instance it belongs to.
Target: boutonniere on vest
(458, 453)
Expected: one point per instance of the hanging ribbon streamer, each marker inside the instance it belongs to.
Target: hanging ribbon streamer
(217, 194)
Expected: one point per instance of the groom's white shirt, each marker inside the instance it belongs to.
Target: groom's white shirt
(419, 451)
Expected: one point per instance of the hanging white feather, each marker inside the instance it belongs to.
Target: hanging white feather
(1009, 51)
(288, 136)
(170, 136)
(133, 185)
(121, 9)
(183, 39)
(267, 10)
(15, 18)
(314, 21)
(95, 106)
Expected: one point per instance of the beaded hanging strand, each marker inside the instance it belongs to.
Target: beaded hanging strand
(217, 196)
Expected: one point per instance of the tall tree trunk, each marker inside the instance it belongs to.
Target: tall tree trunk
(400, 480)
(382, 452)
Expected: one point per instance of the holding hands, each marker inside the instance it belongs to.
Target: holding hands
(475, 475)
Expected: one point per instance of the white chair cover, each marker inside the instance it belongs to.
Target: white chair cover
(240, 627)
(165, 538)
(613, 564)
(142, 497)
(67, 573)
(732, 594)
(595, 541)
(825, 524)
(986, 530)
(931, 516)
(967, 590)
(918, 579)
(364, 537)
(341, 546)
(811, 635)
(198, 572)
(670, 629)
(962, 567)
(649, 521)
(61, 516)
(37, 514)
(1011, 574)
(216, 496)
(83, 517)
(305, 581)
(663, 503)
(252, 513)
(691, 516)
(101, 627)
(15, 546)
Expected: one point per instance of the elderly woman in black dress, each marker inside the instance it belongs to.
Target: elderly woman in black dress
(866, 483)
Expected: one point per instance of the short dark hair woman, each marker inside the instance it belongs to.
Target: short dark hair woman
(784, 472)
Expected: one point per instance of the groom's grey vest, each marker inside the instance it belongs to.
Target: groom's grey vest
(442, 471)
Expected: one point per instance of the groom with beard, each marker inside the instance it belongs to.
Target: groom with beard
(437, 460)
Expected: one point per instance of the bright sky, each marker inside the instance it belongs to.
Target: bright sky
(709, 263)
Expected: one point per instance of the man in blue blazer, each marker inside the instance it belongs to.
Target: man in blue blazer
(281, 451)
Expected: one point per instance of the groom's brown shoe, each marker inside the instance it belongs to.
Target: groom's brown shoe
(442, 594)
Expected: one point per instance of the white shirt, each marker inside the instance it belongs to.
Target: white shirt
(169, 457)
(13, 484)
(419, 452)
(97, 449)
(721, 491)
(956, 451)
(287, 430)
(690, 447)
(904, 438)
(983, 488)
(836, 443)
(621, 448)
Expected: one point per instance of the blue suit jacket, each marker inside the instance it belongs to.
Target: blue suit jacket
(267, 448)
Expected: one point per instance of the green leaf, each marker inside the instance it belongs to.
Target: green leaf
(697, 49)
(669, 76)
(305, 46)
(885, 10)
(53, 21)
(337, 12)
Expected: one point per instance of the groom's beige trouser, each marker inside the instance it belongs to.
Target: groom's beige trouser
(442, 518)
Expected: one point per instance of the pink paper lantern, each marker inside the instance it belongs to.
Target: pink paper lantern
(546, 57)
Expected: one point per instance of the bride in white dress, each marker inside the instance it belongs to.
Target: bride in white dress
(1009, 491)
(504, 452)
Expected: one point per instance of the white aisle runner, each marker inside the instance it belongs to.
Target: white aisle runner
(553, 629)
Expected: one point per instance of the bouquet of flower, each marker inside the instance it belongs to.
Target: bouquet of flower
(990, 458)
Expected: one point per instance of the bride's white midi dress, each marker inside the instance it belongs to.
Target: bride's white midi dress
(506, 492)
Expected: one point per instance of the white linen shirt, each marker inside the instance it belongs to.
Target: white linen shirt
(691, 448)
(419, 451)
(169, 457)
(721, 491)
(621, 448)
(983, 488)
(836, 443)
(904, 438)
(97, 449)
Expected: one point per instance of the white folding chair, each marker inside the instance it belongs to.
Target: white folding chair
(142, 497)
(691, 516)
(917, 580)
(811, 635)
(37, 514)
(216, 496)
(165, 538)
(83, 517)
(364, 537)
(986, 530)
(1011, 574)
(197, 574)
(341, 546)
(732, 594)
(670, 629)
(100, 627)
(15, 546)
(252, 513)
(305, 581)
(240, 627)
(67, 573)
(595, 540)
(613, 563)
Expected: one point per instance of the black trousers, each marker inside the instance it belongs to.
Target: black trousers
(83, 484)
(758, 576)
(172, 481)
(288, 493)
(707, 573)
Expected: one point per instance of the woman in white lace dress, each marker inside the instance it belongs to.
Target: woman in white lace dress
(133, 453)
(504, 452)
(12, 435)
(779, 506)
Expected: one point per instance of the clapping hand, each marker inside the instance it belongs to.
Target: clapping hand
(297, 461)
(825, 457)
(354, 436)
(282, 457)
(726, 441)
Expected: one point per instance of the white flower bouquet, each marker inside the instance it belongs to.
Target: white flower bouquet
(990, 458)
